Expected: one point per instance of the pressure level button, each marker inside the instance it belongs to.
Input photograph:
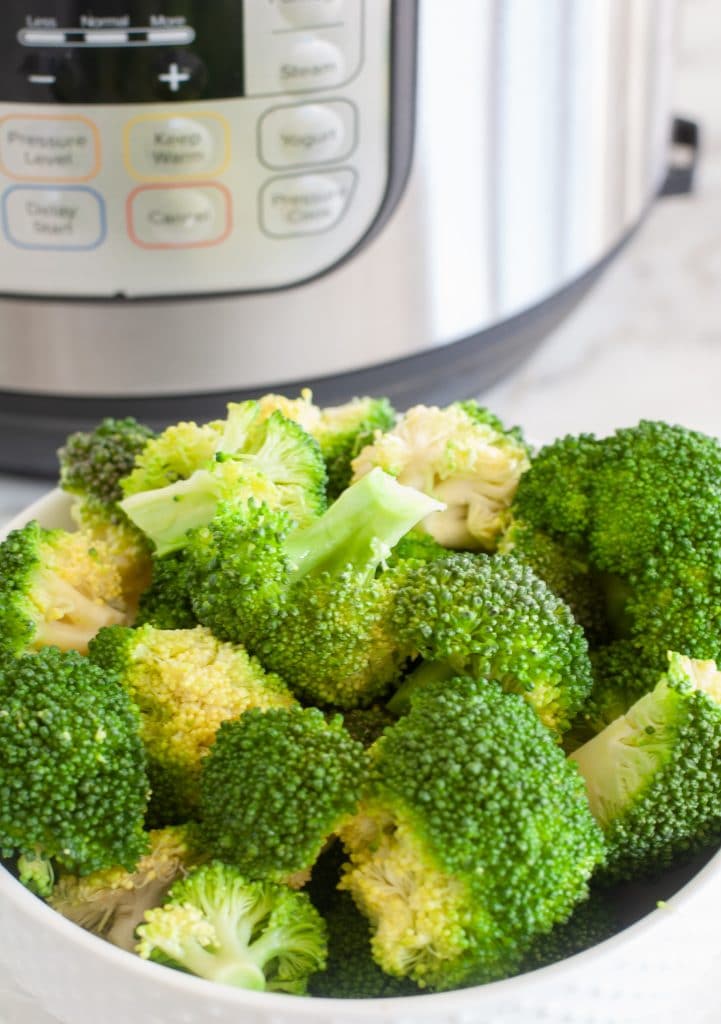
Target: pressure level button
(61, 149)
(305, 204)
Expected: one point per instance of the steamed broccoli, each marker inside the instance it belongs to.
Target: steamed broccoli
(652, 775)
(274, 461)
(224, 927)
(474, 837)
(56, 588)
(173, 455)
(166, 602)
(492, 617)
(74, 785)
(93, 463)
(111, 902)
(416, 546)
(308, 601)
(275, 786)
(460, 455)
(591, 922)
(185, 683)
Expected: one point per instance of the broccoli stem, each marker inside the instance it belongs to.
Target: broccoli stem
(167, 513)
(360, 529)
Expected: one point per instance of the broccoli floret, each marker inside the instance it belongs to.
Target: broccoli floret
(275, 462)
(474, 837)
(351, 972)
(367, 724)
(72, 763)
(111, 903)
(308, 602)
(566, 570)
(93, 463)
(166, 603)
(56, 588)
(185, 683)
(173, 455)
(652, 775)
(492, 617)
(36, 873)
(459, 458)
(223, 927)
(275, 786)
(591, 922)
(344, 430)
(416, 546)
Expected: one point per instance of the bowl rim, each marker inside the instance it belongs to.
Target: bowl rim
(56, 503)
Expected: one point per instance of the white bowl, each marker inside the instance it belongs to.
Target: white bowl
(651, 971)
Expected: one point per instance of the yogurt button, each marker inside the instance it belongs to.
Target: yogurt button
(306, 134)
(311, 64)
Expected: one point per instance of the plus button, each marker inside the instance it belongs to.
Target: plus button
(174, 77)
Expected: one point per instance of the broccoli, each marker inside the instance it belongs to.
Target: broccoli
(185, 683)
(275, 786)
(276, 462)
(173, 455)
(351, 972)
(166, 602)
(308, 601)
(591, 922)
(219, 925)
(111, 902)
(463, 457)
(92, 464)
(72, 763)
(652, 775)
(474, 837)
(36, 873)
(491, 616)
(56, 588)
(415, 546)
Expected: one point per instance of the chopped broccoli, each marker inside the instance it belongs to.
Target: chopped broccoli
(652, 775)
(474, 837)
(344, 430)
(591, 922)
(459, 457)
(275, 786)
(72, 763)
(93, 463)
(416, 546)
(36, 873)
(276, 462)
(492, 617)
(56, 588)
(166, 603)
(185, 683)
(221, 926)
(173, 455)
(351, 972)
(308, 602)
(112, 902)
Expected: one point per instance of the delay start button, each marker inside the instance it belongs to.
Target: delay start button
(305, 204)
(71, 218)
(179, 216)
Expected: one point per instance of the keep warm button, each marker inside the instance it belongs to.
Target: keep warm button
(305, 204)
(179, 216)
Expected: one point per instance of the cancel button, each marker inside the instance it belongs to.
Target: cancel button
(179, 217)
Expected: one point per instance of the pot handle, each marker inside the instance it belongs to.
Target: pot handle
(686, 143)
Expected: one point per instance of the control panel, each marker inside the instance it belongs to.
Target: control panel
(189, 147)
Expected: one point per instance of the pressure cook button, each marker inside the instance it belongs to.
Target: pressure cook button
(305, 204)
(311, 64)
(179, 216)
(310, 13)
(53, 218)
(175, 147)
(49, 148)
(307, 133)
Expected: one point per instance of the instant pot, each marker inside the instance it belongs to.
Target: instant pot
(201, 200)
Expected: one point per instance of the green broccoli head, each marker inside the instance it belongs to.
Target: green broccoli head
(343, 431)
(73, 767)
(308, 601)
(166, 603)
(111, 902)
(173, 455)
(275, 786)
(93, 463)
(352, 973)
(185, 683)
(460, 457)
(415, 546)
(56, 588)
(652, 775)
(224, 927)
(492, 617)
(474, 837)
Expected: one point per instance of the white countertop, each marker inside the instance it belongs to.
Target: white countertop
(645, 343)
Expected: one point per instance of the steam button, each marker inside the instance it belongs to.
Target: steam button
(311, 64)
(305, 204)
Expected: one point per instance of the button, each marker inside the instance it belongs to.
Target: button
(305, 204)
(310, 64)
(53, 218)
(310, 13)
(176, 147)
(49, 148)
(307, 133)
(179, 216)
(178, 75)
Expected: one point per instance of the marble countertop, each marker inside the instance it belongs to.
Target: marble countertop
(645, 343)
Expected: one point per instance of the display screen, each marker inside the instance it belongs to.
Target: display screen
(120, 51)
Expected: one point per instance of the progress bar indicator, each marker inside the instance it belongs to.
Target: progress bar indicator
(182, 35)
